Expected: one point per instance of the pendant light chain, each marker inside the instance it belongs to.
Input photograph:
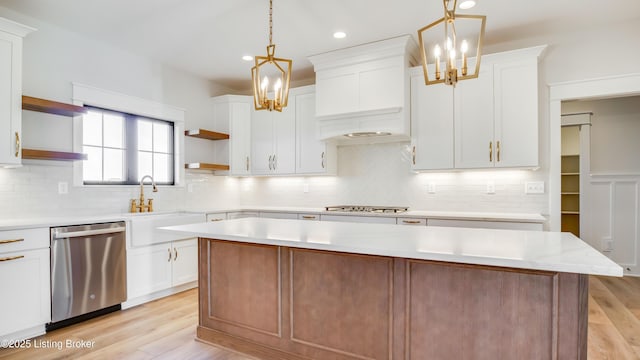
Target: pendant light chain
(270, 22)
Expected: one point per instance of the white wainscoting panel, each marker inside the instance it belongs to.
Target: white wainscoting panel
(611, 219)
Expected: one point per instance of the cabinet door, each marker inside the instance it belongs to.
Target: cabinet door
(278, 215)
(284, 133)
(261, 142)
(473, 120)
(240, 139)
(148, 269)
(216, 217)
(311, 152)
(185, 261)
(431, 126)
(25, 302)
(516, 117)
(10, 99)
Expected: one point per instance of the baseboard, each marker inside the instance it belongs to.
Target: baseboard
(158, 295)
(29, 333)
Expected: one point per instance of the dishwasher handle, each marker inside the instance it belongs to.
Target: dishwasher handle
(84, 233)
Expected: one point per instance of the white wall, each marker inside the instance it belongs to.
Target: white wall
(53, 58)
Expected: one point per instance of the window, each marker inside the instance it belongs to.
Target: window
(122, 148)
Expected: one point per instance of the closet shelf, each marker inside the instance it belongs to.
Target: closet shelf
(51, 107)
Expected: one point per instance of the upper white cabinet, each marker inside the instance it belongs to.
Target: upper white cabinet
(431, 125)
(11, 34)
(238, 110)
(273, 146)
(491, 121)
(364, 89)
(313, 156)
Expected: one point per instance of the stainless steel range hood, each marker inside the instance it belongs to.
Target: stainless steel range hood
(363, 92)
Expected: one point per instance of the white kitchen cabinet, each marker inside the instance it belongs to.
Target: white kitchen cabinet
(238, 111)
(273, 145)
(11, 34)
(313, 156)
(359, 219)
(482, 224)
(496, 115)
(242, 214)
(25, 304)
(160, 267)
(278, 215)
(431, 124)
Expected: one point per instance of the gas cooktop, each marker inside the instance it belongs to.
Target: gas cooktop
(366, 208)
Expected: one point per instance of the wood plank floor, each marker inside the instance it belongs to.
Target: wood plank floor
(165, 329)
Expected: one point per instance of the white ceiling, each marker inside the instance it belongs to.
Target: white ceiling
(209, 37)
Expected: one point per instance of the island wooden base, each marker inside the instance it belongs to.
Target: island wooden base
(288, 303)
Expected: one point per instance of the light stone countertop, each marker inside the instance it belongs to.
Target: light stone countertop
(535, 250)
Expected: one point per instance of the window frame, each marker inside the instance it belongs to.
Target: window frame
(131, 149)
(118, 102)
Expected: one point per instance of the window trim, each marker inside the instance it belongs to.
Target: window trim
(110, 100)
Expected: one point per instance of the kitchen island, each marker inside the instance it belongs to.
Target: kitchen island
(289, 289)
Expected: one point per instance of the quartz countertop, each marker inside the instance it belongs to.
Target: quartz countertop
(535, 250)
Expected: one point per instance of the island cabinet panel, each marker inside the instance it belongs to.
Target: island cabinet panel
(275, 302)
(342, 303)
(245, 300)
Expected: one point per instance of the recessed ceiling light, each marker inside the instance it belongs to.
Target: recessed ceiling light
(339, 35)
(468, 4)
(247, 58)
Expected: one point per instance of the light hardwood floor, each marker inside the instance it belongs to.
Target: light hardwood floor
(165, 329)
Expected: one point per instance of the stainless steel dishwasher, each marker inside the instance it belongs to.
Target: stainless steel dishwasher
(88, 271)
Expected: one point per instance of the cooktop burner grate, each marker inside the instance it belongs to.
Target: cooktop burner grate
(365, 208)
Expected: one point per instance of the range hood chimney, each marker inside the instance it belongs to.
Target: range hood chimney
(363, 92)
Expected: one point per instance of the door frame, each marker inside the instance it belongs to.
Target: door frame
(614, 86)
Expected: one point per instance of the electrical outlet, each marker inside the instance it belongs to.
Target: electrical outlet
(431, 188)
(190, 188)
(305, 188)
(607, 244)
(491, 187)
(534, 187)
(63, 187)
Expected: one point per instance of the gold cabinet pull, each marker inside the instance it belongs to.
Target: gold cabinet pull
(490, 151)
(498, 149)
(411, 221)
(17, 144)
(169, 259)
(413, 155)
(175, 256)
(216, 219)
(12, 258)
(10, 241)
(308, 217)
(322, 160)
(247, 163)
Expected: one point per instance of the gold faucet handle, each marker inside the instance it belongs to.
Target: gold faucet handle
(150, 205)
(133, 208)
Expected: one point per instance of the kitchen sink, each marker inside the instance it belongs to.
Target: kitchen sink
(144, 226)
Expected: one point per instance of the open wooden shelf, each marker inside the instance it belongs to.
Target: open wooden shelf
(51, 107)
(206, 166)
(52, 155)
(206, 134)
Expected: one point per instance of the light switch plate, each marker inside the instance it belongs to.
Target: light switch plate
(534, 187)
(491, 187)
(63, 187)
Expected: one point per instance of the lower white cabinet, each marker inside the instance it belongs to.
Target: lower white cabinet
(160, 267)
(25, 300)
(278, 215)
(509, 225)
(216, 216)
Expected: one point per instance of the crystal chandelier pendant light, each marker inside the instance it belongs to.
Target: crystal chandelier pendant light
(445, 59)
(271, 76)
